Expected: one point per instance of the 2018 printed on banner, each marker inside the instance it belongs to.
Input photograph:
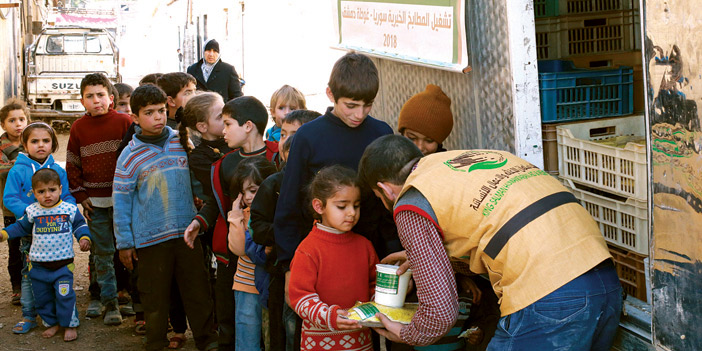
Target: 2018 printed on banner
(429, 32)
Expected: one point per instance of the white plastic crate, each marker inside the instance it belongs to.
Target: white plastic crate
(621, 171)
(622, 223)
(588, 34)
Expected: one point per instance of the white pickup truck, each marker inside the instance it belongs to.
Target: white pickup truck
(58, 60)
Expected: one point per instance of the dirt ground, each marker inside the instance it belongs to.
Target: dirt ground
(92, 333)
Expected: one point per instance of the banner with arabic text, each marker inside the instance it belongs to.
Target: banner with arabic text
(426, 32)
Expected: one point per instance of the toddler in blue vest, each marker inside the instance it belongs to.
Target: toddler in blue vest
(52, 221)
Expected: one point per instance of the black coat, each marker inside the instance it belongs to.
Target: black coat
(223, 79)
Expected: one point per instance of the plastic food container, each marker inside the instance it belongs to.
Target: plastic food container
(391, 289)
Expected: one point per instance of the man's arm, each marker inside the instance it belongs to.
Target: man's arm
(433, 276)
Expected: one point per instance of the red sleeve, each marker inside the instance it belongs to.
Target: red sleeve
(436, 284)
(303, 296)
(74, 169)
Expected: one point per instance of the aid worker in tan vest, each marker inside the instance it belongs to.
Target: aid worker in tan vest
(499, 215)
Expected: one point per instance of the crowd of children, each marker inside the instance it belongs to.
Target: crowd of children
(255, 239)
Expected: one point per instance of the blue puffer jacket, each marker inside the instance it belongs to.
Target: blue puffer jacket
(18, 188)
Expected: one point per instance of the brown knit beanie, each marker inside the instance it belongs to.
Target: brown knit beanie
(428, 113)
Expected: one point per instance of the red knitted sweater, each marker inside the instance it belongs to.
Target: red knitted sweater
(91, 155)
(331, 271)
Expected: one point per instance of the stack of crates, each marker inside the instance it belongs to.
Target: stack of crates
(585, 27)
(591, 90)
(603, 163)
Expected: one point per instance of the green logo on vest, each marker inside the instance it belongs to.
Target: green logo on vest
(475, 160)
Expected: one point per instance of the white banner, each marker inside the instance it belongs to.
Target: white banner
(426, 32)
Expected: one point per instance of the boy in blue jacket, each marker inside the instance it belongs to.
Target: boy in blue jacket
(153, 204)
(51, 221)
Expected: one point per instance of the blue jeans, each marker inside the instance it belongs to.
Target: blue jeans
(581, 315)
(55, 297)
(103, 249)
(27, 300)
(289, 320)
(248, 321)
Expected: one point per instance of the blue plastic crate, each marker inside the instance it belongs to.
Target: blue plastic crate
(570, 94)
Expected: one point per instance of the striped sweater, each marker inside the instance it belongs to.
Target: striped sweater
(153, 199)
(244, 276)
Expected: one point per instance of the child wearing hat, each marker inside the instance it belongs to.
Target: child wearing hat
(426, 119)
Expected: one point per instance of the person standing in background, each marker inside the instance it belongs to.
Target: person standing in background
(212, 74)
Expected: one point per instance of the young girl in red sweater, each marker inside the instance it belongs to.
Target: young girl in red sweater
(333, 267)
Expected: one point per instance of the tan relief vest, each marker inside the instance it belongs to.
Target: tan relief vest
(550, 241)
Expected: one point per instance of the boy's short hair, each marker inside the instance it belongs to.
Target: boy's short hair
(354, 76)
(11, 105)
(301, 116)
(172, 83)
(45, 176)
(150, 78)
(123, 89)
(247, 108)
(145, 95)
(288, 95)
(95, 79)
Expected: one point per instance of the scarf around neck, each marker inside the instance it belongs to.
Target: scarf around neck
(207, 69)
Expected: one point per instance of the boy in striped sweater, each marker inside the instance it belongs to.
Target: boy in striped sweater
(153, 204)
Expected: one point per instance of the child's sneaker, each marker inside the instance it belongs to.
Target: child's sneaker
(94, 309)
(112, 315)
(127, 310)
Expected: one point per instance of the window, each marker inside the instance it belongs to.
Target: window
(74, 44)
(92, 44)
(55, 44)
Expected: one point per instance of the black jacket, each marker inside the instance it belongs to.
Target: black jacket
(262, 214)
(223, 79)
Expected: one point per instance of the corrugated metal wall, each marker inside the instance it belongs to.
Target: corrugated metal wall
(481, 99)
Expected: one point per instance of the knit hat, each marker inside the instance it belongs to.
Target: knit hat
(428, 113)
(212, 45)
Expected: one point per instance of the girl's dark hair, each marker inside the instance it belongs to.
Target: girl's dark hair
(40, 125)
(329, 181)
(196, 110)
(11, 105)
(256, 169)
